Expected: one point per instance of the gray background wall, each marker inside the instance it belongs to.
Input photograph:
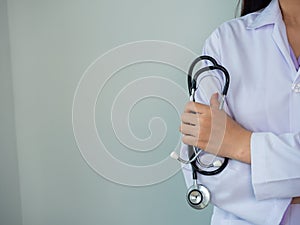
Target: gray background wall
(45, 48)
(10, 202)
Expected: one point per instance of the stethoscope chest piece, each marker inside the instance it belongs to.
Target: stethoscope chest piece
(198, 196)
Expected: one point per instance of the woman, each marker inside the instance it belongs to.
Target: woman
(261, 51)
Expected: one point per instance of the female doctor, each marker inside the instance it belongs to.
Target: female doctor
(261, 183)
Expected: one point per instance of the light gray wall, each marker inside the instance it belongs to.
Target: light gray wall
(52, 43)
(10, 202)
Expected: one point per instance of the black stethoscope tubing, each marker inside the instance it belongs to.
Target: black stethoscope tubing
(192, 85)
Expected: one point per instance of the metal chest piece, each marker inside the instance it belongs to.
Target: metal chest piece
(198, 196)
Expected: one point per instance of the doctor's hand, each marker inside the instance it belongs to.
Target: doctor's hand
(212, 130)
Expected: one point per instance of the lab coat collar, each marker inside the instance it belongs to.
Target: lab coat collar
(270, 15)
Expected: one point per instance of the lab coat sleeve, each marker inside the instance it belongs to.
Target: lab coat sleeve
(275, 165)
(232, 189)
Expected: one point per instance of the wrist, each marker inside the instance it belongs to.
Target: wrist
(243, 152)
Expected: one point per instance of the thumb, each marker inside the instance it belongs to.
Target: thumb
(214, 102)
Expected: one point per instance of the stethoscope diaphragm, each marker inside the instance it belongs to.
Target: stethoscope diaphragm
(198, 196)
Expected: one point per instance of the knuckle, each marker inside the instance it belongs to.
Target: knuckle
(184, 139)
(181, 128)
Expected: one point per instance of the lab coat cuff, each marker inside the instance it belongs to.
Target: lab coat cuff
(275, 165)
(258, 163)
(263, 161)
(262, 188)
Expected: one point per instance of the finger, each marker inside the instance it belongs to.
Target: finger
(187, 129)
(189, 118)
(195, 107)
(189, 140)
(214, 101)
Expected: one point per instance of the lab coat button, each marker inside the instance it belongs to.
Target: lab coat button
(296, 88)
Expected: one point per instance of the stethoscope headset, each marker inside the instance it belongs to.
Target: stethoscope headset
(198, 196)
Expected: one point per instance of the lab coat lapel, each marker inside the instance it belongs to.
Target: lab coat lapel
(271, 15)
(281, 40)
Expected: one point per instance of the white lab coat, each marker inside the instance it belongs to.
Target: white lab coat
(262, 97)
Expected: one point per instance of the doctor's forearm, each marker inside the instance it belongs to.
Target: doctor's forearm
(241, 151)
(241, 147)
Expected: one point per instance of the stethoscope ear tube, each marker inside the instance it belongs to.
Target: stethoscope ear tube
(192, 66)
(227, 79)
(193, 82)
(209, 173)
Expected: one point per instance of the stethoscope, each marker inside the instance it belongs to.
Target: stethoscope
(198, 196)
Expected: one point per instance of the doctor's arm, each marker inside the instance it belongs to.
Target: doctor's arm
(235, 189)
(274, 159)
